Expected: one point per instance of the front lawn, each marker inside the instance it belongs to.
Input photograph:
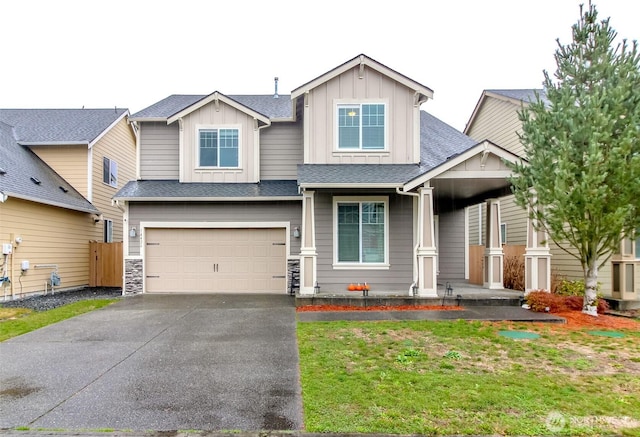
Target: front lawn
(18, 321)
(465, 378)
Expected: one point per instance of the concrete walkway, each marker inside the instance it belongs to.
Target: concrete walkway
(488, 313)
(217, 362)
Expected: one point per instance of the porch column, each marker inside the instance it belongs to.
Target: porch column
(427, 252)
(308, 254)
(537, 259)
(493, 254)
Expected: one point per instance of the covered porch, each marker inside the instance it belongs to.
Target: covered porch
(432, 228)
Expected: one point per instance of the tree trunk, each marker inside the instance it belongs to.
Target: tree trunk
(590, 305)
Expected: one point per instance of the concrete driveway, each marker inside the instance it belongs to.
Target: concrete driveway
(158, 362)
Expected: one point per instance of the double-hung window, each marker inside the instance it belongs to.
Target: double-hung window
(218, 147)
(109, 172)
(361, 235)
(361, 126)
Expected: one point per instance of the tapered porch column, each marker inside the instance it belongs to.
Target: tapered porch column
(493, 254)
(427, 252)
(537, 259)
(308, 254)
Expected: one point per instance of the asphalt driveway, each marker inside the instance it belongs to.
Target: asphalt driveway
(158, 362)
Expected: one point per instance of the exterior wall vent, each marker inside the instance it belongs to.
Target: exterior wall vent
(35, 180)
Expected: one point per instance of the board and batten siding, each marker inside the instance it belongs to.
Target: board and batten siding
(497, 121)
(50, 235)
(159, 151)
(398, 277)
(119, 145)
(374, 87)
(219, 117)
(210, 212)
(281, 151)
(71, 162)
(451, 250)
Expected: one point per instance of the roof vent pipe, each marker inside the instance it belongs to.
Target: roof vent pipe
(275, 80)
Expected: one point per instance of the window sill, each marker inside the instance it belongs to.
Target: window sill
(210, 169)
(361, 266)
(361, 151)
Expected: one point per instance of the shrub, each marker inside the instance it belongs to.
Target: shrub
(540, 300)
(513, 272)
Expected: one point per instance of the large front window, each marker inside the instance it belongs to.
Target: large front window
(361, 126)
(218, 147)
(361, 232)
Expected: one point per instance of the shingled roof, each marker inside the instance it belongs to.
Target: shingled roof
(268, 105)
(25, 176)
(60, 126)
(524, 95)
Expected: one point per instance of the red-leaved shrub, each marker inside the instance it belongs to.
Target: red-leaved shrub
(541, 301)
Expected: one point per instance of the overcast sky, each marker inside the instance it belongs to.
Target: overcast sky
(132, 53)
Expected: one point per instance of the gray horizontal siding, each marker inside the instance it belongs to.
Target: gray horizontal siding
(281, 151)
(399, 276)
(451, 250)
(215, 212)
(159, 152)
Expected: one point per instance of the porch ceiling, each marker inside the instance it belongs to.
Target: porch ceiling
(465, 190)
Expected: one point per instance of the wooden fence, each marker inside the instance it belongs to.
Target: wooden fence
(105, 265)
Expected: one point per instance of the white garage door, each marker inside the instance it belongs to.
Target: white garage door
(215, 260)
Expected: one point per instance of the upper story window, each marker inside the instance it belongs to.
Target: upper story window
(637, 248)
(110, 172)
(361, 126)
(218, 147)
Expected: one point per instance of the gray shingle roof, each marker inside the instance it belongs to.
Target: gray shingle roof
(20, 165)
(525, 95)
(56, 126)
(267, 105)
(158, 189)
(438, 142)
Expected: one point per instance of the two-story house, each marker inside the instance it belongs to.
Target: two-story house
(495, 118)
(59, 169)
(345, 180)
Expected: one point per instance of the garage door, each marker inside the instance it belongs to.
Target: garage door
(215, 260)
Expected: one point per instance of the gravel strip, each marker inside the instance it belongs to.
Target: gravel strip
(50, 301)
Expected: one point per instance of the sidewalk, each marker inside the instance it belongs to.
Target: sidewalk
(488, 313)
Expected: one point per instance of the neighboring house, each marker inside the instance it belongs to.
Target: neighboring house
(345, 180)
(59, 169)
(495, 118)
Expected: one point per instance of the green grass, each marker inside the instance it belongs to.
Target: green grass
(29, 321)
(463, 378)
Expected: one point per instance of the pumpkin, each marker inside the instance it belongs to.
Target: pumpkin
(359, 287)
(351, 287)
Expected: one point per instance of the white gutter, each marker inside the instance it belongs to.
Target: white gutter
(415, 249)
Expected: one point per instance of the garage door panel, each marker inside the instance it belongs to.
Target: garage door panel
(215, 260)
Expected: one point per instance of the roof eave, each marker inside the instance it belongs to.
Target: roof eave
(350, 185)
(50, 202)
(218, 96)
(364, 60)
(209, 199)
(54, 143)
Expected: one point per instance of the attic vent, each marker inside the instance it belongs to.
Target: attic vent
(35, 180)
(64, 190)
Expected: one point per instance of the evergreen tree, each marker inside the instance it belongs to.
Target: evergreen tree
(581, 177)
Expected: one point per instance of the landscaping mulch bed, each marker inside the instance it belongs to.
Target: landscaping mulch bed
(578, 320)
(310, 308)
(43, 302)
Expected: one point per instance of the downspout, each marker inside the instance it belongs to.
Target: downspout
(415, 249)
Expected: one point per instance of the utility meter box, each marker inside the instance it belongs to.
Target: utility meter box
(7, 248)
(24, 266)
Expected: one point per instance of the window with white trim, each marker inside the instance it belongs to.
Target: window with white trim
(361, 235)
(361, 126)
(218, 148)
(108, 231)
(110, 172)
